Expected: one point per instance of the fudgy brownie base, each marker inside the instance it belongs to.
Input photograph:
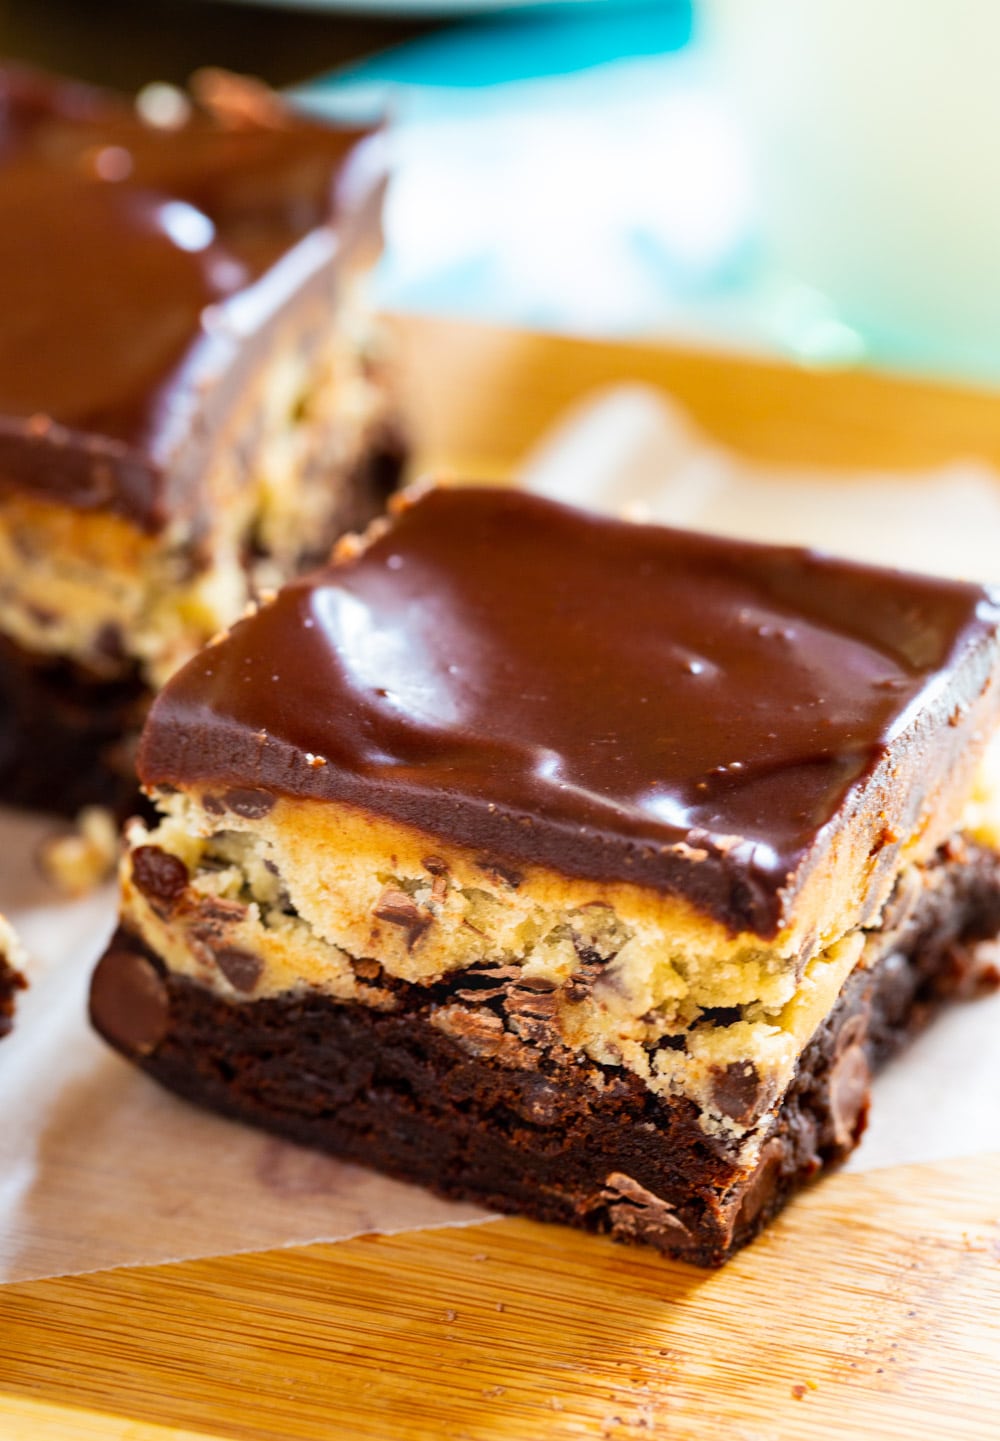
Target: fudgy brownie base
(524, 1125)
(68, 737)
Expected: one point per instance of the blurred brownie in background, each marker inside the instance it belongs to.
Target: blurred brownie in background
(192, 403)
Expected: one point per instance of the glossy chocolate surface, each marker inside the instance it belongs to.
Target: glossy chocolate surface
(134, 267)
(618, 701)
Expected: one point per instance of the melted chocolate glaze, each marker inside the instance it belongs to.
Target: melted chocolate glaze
(619, 701)
(137, 265)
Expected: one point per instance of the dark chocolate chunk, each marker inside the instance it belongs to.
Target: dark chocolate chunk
(850, 1093)
(500, 873)
(161, 877)
(399, 909)
(129, 1003)
(242, 969)
(739, 1092)
(252, 805)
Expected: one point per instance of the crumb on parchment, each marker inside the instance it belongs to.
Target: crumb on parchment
(76, 861)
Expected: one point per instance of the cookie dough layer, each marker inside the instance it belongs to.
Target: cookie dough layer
(302, 912)
(492, 1106)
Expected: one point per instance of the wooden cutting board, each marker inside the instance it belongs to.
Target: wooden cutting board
(871, 1309)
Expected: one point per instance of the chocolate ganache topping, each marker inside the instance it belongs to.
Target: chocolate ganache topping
(598, 696)
(136, 272)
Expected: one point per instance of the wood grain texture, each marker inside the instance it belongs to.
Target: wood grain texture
(871, 1309)
(481, 396)
(24, 1420)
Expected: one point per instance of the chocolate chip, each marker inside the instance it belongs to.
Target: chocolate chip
(478, 1032)
(850, 1088)
(161, 877)
(213, 805)
(739, 1093)
(250, 804)
(398, 909)
(109, 642)
(762, 1186)
(220, 909)
(241, 968)
(851, 1033)
(435, 865)
(719, 1016)
(499, 872)
(637, 1213)
(128, 1001)
(539, 1101)
(577, 988)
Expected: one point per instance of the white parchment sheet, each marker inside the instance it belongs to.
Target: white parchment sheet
(99, 1168)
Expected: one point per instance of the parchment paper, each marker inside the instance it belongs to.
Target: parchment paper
(100, 1168)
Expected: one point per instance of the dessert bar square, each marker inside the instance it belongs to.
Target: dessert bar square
(583, 868)
(192, 404)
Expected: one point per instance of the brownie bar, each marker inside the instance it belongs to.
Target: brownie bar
(85, 725)
(192, 402)
(611, 821)
(536, 1133)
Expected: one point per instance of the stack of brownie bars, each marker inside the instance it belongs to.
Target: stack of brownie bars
(583, 868)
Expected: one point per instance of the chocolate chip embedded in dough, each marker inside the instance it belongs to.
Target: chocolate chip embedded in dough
(250, 804)
(129, 1004)
(500, 873)
(159, 876)
(241, 968)
(740, 1093)
(398, 909)
(850, 1093)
